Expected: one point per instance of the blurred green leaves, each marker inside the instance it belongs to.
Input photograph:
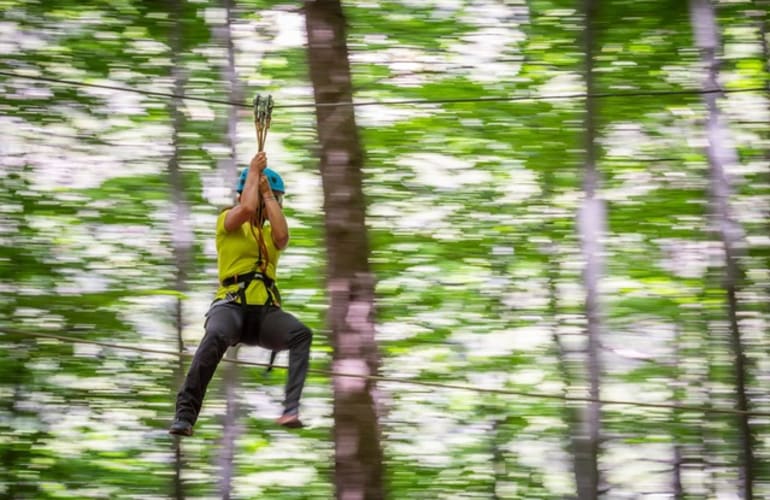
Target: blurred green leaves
(472, 222)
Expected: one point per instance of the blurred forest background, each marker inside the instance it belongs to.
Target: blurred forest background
(566, 208)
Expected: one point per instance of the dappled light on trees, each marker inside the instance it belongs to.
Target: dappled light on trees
(442, 223)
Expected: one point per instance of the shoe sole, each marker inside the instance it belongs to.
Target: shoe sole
(293, 424)
(180, 433)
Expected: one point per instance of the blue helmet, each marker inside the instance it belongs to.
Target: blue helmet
(275, 181)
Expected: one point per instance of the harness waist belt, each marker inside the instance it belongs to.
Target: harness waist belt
(246, 278)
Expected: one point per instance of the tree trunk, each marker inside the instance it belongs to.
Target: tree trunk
(679, 397)
(677, 475)
(764, 37)
(498, 458)
(228, 167)
(358, 453)
(228, 170)
(229, 426)
(178, 485)
(181, 232)
(564, 357)
(720, 155)
(591, 225)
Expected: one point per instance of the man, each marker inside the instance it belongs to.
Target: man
(247, 304)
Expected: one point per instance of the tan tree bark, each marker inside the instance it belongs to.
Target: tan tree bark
(358, 452)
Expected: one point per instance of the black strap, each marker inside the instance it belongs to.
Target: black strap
(273, 354)
(270, 287)
(273, 295)
(247, 278)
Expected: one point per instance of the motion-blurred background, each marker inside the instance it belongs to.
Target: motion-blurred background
(565, 201)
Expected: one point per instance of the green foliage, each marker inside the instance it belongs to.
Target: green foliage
(472, 224)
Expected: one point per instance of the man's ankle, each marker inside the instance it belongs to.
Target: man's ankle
(289, 420)
(181, 427)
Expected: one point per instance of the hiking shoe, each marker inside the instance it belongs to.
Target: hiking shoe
(290, 420)
(181, 427)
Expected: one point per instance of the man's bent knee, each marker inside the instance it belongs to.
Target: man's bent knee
(302, 338)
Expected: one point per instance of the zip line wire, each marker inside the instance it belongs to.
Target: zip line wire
(378, 378)
(416, 102)
(391, 103)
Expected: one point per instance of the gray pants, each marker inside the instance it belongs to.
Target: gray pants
(228, 324)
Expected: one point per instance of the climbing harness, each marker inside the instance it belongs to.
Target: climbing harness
(245, 279)
(273, 296)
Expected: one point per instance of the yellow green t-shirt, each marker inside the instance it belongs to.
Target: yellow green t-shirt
(237, 253)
